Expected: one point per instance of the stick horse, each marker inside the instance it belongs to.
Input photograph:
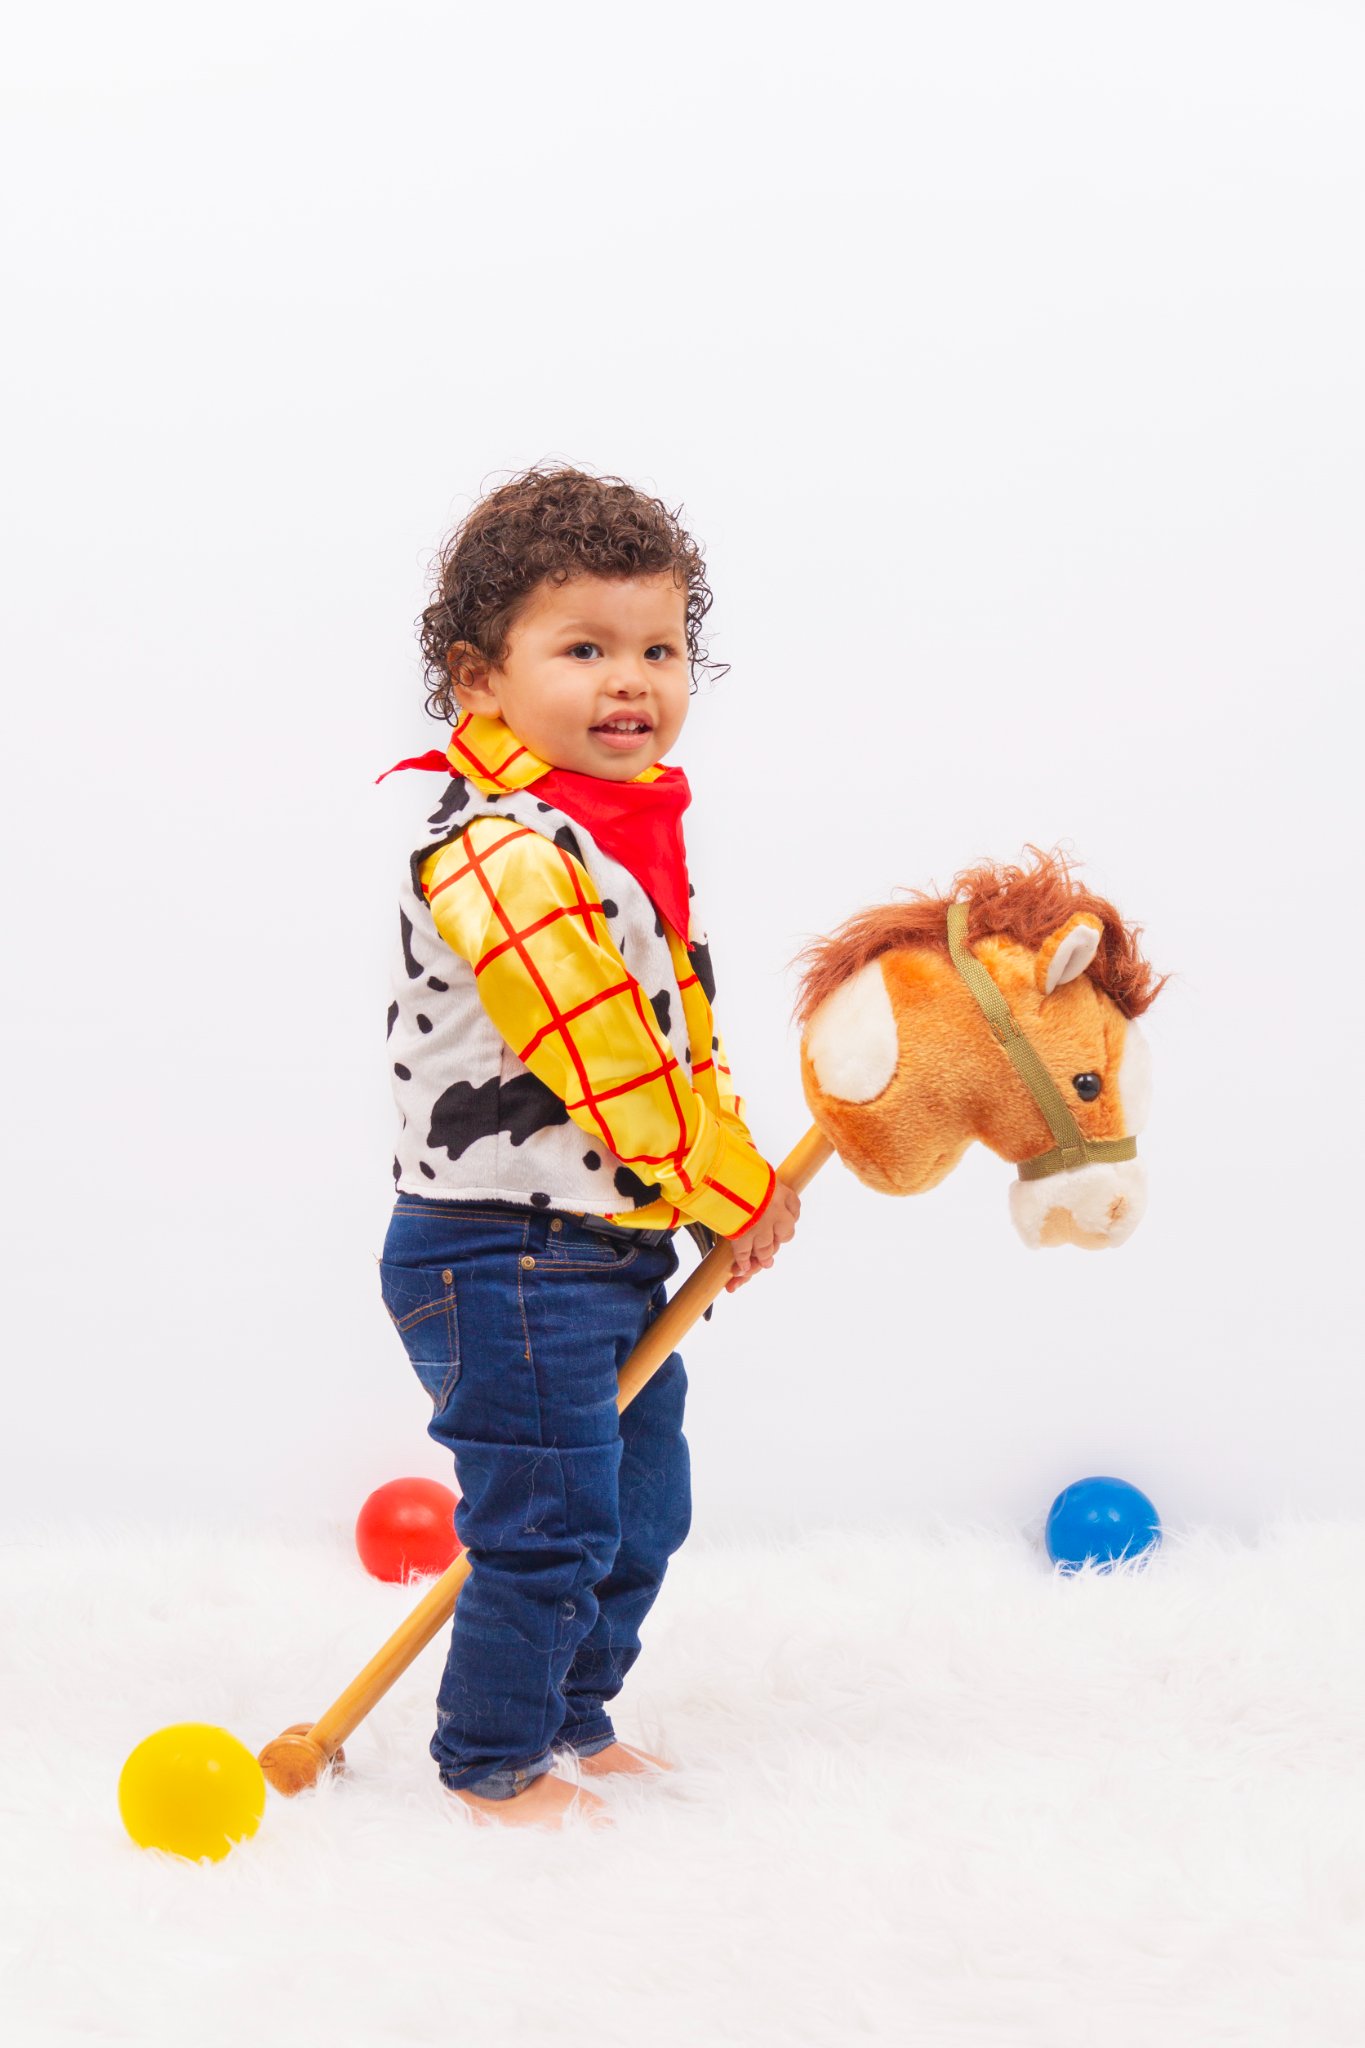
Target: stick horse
(1002, 1014)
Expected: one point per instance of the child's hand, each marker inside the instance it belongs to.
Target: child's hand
(757, 1248)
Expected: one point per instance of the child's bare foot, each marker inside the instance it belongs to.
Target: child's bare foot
(547, 1802)
(620, 1758)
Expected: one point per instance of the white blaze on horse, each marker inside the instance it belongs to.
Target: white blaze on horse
(1002, 1014)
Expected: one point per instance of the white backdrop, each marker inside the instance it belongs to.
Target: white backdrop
(1007, 362)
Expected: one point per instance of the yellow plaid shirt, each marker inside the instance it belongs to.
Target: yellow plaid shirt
(527, 917)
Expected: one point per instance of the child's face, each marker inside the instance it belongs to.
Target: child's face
(584, 654)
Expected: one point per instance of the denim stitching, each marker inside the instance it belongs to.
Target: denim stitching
(521, 1308)
(405, 1325)
(425, 1208)
(423, 1313)
(594, 1746)
(510, 1779)
(590, 1265)
(542, 1446)
(613, 1257)
(452, 1378)
(416, 1315)
(601, 1252)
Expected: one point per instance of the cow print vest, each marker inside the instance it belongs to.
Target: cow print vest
(474, 1123)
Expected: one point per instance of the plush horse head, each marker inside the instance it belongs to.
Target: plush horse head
(1001, 1013)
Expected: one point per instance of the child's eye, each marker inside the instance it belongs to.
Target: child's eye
(660, 649)
(583, 647)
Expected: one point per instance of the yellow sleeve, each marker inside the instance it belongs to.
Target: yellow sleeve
(731, 1103)
(526, 916)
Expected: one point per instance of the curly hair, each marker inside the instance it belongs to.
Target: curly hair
(549, 524)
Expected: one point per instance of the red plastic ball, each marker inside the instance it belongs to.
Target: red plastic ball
(405, 1530)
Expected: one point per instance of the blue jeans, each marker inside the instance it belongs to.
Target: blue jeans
(517, 1322)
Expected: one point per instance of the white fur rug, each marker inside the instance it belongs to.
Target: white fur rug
(930, 1793)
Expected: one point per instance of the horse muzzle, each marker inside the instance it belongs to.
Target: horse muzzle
(1094, 1206)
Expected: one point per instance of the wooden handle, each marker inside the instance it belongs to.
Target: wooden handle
(297, 1759)
(700, 1289)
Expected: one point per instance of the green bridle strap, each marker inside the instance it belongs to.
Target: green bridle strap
(1071, 1147)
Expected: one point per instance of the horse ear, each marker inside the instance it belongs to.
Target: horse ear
(1068, 952)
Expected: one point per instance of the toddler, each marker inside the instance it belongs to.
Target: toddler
(565, 1107)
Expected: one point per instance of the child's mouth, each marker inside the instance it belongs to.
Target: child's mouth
(623, 734)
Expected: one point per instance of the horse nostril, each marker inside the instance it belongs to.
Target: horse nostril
(1118, 1209)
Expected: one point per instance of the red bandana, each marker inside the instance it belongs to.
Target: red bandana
(637, 823)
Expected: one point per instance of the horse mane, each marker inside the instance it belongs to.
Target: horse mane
(1021, 903)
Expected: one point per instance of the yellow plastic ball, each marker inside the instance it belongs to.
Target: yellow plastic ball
(192, 1789)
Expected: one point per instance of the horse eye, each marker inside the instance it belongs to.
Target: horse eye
(1087, 1086)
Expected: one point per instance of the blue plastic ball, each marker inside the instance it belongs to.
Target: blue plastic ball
(1100, 1519)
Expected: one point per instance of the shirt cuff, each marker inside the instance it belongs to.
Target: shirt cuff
(735, 1190)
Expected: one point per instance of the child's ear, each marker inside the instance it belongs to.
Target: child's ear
(469, 675)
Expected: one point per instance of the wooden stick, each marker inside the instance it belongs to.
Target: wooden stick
(297, 1758)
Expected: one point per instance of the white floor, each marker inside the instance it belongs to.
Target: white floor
(930, 1793)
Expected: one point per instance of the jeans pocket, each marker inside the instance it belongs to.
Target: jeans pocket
(570, 1247)
(422, 1308)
